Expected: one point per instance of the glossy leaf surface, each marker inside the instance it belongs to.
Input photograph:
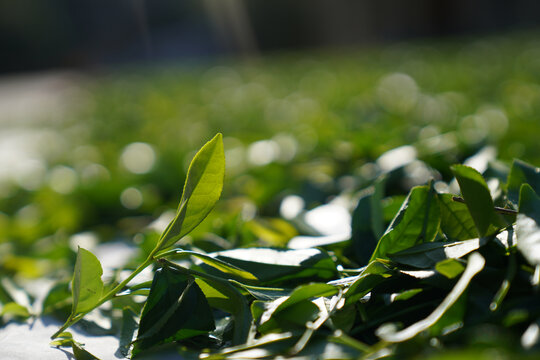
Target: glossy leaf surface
(216, 263)
(270, 265)
(528, 225)
(86, 286)
(478, 199)
(417, 222)
(202, 190)
(428, 254)
(456, 220)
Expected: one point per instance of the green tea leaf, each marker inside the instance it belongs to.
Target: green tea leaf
(475, 264)
(80, 353)
(449, 268)
(305, 292)
(202, 190)
(127, 331)
(10, 291)
(363, 241)
(478, 199)
(375, 273)
(63, 339)
(5, 296)
(294, 310)
(367, 222)
(406, 295)
(271, 265)
(328, 348)
(521, 173)
(222, 295)
(428, 254)
(273, 231)
(66, 339)
(456, 220)
(376, 208)
(14, 310)
(215, 262)
(417, 222)
(86, 286)
(528, 225)
(58, 297)
(261, 347)
(176, 309)
(264, 293)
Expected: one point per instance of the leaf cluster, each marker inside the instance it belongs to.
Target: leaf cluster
(447, 267)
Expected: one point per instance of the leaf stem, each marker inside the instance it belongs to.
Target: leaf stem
(496, 208)
(74, 318)
(505, 285)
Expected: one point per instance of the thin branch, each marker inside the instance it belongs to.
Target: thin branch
(496, 208)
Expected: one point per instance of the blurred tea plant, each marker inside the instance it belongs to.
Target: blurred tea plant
(319, 239)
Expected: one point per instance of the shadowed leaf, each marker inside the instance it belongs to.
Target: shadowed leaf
(176, 309)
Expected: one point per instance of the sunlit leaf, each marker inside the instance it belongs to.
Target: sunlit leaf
(295, 308)
(417, 222)
(358, 286)
(14, 310)
(222, 295)
(202, 190)
(406, 295)
(293, 317)
(274, 231)
(307, 242)
(63, 339)
(456, 220)
(304, 292)
(80, 353)
(214, 262)
(428, 254)
(449, 268)
(264, 293)
(478, 199)
(528, 225)
(270, 265)
(86, 286)
(10, 291)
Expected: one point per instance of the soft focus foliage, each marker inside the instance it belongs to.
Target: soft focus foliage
(333, 162)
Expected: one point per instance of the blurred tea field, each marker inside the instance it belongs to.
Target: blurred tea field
(314, 125)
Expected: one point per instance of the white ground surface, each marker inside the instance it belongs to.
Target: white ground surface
(31, 341)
